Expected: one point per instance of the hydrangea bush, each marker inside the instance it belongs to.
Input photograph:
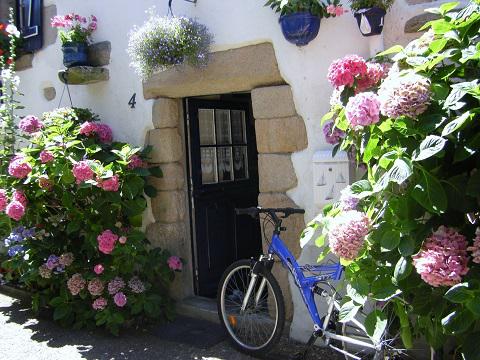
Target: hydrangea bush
(74, 201)
(408, 232)
(162, 42)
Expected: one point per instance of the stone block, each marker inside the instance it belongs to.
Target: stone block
(167, 145)
(273, 102)
(173, 177)
(276, 173)
(281, 135)
(169, 206)
(415, 23)
(49, 93)
(170, 237)
(99, 53)
(49, 33)
(416, 2)
(166, 113)
(83, 75)
(233, 70)
(24, 62)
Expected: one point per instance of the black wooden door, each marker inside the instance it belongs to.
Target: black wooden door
(224, 175)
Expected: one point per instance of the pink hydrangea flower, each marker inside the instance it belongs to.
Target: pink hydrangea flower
(30, 124)
(136, 285)
(342, 72)
(174, 263)
(95, 287)
(106, 241)
(66, 259)
(46, 156)
(363, 109)
(443, 259)
(19, 168)
(475, 249)
(347, 234)
(82, 171)
(375, 73)
(76, 284)
(115, 285)
(122, 240)
(335, 10)
(88, 128)
(98, 269)
(104, 133)
(135, 162)
(3, 199)
(15, 210)
(19, 195)
(120, 299)
(99, 303)
(333, 135)
(45, 272)
(110, 184)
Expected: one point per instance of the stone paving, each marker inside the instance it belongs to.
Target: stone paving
(23, 337)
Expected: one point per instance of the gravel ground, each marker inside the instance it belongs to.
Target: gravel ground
(23, 337)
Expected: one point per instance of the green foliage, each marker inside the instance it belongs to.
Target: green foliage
(68, 217)
(356, 5)
(422, 172)
(315, 7)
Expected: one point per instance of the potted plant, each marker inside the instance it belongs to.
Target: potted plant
(300, 19)
(370, 15)
(163, 42)
(75, 33)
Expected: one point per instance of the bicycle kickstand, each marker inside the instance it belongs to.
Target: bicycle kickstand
(303, 355)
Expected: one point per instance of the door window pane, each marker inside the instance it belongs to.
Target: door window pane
(240, 162)
(238, 126)
(222, 118)
(209, 165)
(225, 168)
(206, 124)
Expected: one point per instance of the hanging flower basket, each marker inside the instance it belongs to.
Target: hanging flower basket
(300, 28)
(370, 20)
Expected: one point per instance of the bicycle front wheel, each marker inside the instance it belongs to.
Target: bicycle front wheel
(257, 328)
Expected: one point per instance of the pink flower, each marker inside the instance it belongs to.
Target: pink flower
(120, 299)
(443, 259)
(15, 210)
(100, 303)
(115, 285)
(82, 171)
(88, 128)
(475, 249)
(45, 183)
(76, 284)
(66, 259)
(174, 263)
(363, 109)
(95, 287)
(375, 73)
(3, 199)
(19, 195)
(333, 135)
(136, 285)
(30, 124)
(335, 10)
(104, 133)
(122, 240)
(19, 168)
(347, 234)
(136, 161)
(106, 241)
(110, 184)
(342, 72)
(331, 9)
(98, 269)
(46, 156)
(340, 10)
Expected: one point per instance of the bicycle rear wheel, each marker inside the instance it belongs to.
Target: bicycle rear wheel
(258, 328)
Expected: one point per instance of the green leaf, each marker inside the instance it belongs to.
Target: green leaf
(429, 193)
(473, 185)
(74, 226)
(390, 240)
(133, 186)
(150, 191)
(407, 245)
(445, 8)
(400, 171)
(458, 321)
(430, 146)
(470, 346)
(370, 148)
(458, 294)
(348, 311)
(457, 123)
(375, 324)
(403, 268)
(474, 306)
(61, 311)
(320, 241)
(156, 171)
(392, 50)
(438, 44)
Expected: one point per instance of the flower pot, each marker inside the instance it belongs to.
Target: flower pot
(300, 28)
(370, 20)
(75, 54)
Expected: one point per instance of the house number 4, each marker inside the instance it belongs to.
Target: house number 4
(132, 101)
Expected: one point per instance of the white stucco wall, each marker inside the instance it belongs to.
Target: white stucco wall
(234, 24)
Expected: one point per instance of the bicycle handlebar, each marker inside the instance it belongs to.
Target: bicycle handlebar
(254, 211)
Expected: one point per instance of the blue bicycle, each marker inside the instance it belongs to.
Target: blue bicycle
(252, 310)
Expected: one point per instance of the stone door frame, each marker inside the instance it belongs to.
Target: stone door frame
(280, 131)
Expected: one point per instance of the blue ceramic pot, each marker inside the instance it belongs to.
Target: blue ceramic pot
(75, 54)
(370, 21)
(300, 28)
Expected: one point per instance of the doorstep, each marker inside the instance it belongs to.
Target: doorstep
(198, 307)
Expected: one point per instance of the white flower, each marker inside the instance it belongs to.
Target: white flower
(6, 74)
(12, 29)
